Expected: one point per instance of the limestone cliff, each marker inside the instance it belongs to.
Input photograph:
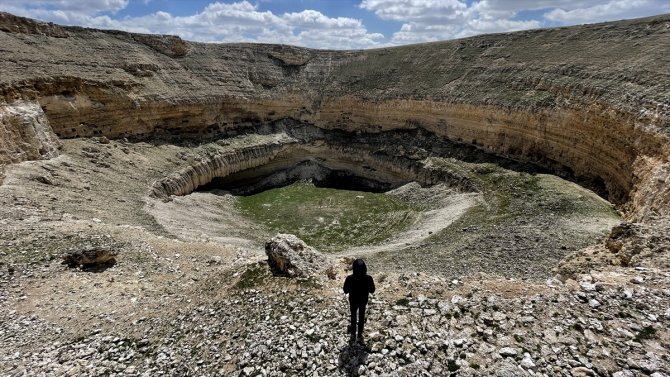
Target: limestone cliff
(590, 102)
(25, 133)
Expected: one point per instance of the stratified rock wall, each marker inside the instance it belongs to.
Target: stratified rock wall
(589, 102)
(285, 152)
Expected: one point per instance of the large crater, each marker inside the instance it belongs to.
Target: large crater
(246, 118)
(411, 199)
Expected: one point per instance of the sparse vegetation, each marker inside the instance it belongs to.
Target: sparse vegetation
(517, 212)
(329, 219)
(251, 277)
(646, 333)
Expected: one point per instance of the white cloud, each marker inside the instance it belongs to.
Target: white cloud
(607, 10)
(422, 20)
(506, 8)
(487, 25)
(314, 19)
(416, 10)
(312, 28)
(89, 7)
(430, 20)
(69, 12)
(240, 21)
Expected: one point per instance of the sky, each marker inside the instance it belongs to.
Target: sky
(330, 24)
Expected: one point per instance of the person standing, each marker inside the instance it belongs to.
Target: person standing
(358, 286)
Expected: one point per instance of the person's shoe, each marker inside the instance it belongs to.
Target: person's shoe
(360, 339)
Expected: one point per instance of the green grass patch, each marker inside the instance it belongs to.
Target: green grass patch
(329, 219)
(251, 277)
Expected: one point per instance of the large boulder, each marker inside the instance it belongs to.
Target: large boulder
(290, 256)
(90, 257)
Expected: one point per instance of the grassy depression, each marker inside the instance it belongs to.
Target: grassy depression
(329, 219)
(516, 224)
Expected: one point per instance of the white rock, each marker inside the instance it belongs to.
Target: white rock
(287, 254)
(444, 307)
(527, 362)
(216, 259)
(586, 286)
(628, 293)
(507, 352)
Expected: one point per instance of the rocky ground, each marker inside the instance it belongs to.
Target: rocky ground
(237, 319)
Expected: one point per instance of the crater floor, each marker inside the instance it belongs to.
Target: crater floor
(513, 216)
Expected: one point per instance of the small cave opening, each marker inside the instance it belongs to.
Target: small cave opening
(313, 170)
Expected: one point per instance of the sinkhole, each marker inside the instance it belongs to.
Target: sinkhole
(397, 208)
(332, 202)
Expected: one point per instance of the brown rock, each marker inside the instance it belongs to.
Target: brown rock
(90, 257)
(288, 255)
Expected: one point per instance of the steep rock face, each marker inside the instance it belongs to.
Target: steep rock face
(362, 160)
(589, 102)
(25, 133)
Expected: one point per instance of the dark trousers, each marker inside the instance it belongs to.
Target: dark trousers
(360, 308)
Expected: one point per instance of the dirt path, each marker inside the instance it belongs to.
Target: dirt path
(429, 222)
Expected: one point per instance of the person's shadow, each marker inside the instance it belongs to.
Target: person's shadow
(352, 356)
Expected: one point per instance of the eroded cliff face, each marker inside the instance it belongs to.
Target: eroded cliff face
(587, 102)
(385, 160)
(25, 133)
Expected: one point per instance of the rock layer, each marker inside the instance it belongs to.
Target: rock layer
(388, 159)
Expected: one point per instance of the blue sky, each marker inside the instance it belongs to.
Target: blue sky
(330, 24)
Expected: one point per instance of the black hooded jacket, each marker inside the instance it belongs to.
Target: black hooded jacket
(359, 285)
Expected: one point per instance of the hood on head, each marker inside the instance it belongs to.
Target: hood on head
(359, 267)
